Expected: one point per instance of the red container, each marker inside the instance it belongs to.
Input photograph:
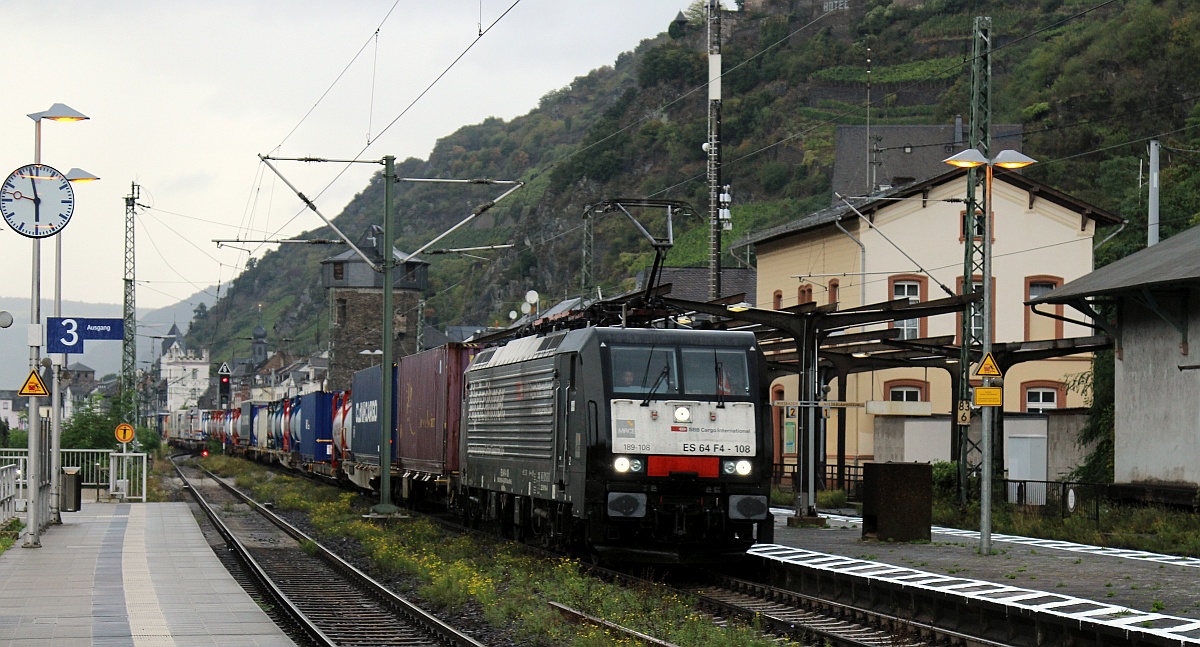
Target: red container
(429, 406)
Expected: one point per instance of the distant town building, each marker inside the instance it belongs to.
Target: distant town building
(183, 372)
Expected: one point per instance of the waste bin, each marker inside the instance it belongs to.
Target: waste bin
(71, 492)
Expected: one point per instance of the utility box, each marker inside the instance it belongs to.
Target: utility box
(897, 501)
(70, 496)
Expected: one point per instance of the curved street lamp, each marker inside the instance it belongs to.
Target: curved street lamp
(1008, 159)
(56, 112)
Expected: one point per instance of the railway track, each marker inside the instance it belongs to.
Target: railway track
(805, 618)
(330, 601)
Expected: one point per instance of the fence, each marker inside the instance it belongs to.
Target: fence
(788, 475)
(8, 494)
(123, 475)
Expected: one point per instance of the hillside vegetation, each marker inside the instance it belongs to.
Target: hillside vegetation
(1090, 80)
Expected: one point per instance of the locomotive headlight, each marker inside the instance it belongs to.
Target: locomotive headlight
(683, 414)
(624, 464)
(741, 468)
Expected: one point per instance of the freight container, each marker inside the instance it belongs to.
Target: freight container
(312, 422)
(430, 406)
(361, 465)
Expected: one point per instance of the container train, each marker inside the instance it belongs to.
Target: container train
(626, 444)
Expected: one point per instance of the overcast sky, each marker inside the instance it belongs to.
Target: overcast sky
(183, 97)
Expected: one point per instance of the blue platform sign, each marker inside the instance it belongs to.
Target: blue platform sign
(66, 334)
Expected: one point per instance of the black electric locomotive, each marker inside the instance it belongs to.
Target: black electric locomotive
(631, 444)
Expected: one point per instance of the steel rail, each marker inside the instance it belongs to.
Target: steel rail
(257, 572)
(413, 613)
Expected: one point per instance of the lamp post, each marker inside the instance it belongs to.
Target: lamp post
(56, 112)
(1009, 159)
(74, 175)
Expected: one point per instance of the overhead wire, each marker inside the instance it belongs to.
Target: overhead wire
(403, 112)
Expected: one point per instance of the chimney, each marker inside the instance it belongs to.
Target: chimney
(958, 132)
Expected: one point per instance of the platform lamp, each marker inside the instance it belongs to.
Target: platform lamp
(56, 112)
(1009, 159)
(75, 175)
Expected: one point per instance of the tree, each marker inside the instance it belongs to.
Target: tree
(91, 428)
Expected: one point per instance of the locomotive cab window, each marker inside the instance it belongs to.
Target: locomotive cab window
(715, 371)
(644, 369)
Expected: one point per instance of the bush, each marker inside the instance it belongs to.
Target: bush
(831, 499)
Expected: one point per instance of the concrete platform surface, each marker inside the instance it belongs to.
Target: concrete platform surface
(126, 574)
(1134, 580)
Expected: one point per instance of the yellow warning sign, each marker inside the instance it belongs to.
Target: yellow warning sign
(988, 396)
(988, 367)
(124, 432)
(34, 386)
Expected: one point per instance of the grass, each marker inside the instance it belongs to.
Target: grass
(1154, 529)
(9, 533)
(510, 588)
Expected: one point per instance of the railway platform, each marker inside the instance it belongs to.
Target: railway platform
(1130, 591)
(123, 574)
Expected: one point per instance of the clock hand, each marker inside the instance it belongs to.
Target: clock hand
(17, 195)
(37, 202)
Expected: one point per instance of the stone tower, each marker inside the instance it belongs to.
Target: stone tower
(355, 298)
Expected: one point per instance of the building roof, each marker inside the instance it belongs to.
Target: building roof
(882, 199)
(370, 245)
(903, 154)
(80, 367)
(691, 283)
(1172, 263)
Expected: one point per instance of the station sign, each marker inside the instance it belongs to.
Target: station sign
(67, 334)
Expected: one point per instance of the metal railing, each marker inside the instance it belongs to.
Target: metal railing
(123, 475)
(8, 493)
(127, 476)
(787, 475)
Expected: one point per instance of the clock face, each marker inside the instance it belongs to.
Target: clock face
(37, 201)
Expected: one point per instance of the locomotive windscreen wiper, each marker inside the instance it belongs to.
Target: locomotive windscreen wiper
(661, 377)
(720, 384)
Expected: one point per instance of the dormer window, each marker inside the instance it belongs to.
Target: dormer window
(339, 271)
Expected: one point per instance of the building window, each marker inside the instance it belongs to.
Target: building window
(906, 390)
(1037, 326)
(913, 288)
(834, 286)
(340, 313)
(194, 374)
(978, 225)
(904, 394)
(777, 300)
(804, 294)
(339, 271)
(1042, 396)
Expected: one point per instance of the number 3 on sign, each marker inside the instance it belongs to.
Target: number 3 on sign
(70, 331)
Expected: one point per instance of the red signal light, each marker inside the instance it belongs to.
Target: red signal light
(204, 454)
